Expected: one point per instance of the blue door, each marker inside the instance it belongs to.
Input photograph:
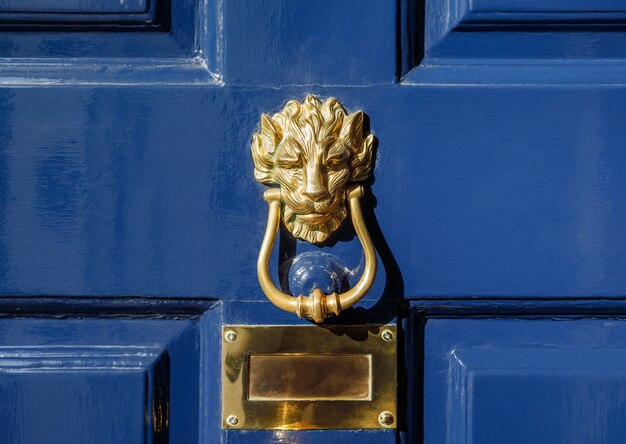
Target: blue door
(487, 137)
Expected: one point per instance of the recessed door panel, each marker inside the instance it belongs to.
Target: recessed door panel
(553, 6)
(519, 381)
(75, 6)
(99, 381)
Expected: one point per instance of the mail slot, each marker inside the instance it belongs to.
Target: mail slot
(309, 377)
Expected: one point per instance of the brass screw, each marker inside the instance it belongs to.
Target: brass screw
(387, 335)
(230, 336)
(232, 420)
(386, 419)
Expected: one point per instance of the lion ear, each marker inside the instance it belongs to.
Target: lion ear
(264, 145)
(263, 162)
(361, 148)
(271, 132)
(362, 159)
(352, 128)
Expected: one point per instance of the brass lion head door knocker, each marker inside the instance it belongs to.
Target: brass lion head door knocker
(317, 154)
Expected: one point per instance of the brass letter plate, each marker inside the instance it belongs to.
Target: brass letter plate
(309, 377)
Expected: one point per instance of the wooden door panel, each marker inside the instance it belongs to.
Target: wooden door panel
(272, 42)
(515, 381)
(523, 32)
(99, 381)
(553, 6)
(87, 407)
(75, 6)
(520, 201)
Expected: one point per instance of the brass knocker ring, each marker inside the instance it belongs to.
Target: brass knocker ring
(318, 306)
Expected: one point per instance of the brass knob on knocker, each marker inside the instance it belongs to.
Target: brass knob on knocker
(315, 152)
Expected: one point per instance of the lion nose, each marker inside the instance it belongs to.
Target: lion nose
(314, 190)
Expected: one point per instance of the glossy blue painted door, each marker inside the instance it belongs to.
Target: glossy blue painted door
(130, 220)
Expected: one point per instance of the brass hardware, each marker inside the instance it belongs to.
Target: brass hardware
(315, 152)
(312, 150)
(306, 377)
(230, 336)
(386, 419)
(319, 305)
(387, 335)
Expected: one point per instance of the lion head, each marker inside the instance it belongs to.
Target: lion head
(312, 150)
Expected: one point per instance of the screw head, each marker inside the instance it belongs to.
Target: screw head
(230, 336)
(386, 419)
(387, 335)
(232, 420)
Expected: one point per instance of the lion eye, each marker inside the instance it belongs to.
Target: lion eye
(334, 162)
(290, 163)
